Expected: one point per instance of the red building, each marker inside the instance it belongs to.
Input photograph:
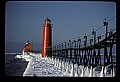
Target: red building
(46, 38)
(28, 47)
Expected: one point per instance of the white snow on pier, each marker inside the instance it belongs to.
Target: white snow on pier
(44, 67)
(39, 66)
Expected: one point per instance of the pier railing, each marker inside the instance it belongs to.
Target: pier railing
(87, 52)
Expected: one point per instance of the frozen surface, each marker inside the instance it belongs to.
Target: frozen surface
(44, 67)
(39, 66)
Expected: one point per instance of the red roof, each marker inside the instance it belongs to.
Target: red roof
(28, 48)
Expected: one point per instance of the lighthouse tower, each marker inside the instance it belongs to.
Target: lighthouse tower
(46, 38)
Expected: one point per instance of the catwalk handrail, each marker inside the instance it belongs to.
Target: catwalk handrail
(84, 53)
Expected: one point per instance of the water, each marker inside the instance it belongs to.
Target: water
(14, 66)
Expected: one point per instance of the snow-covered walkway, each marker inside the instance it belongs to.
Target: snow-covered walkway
(44, 67)
(39, 66)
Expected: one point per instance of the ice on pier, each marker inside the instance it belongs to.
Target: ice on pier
(53, 67)
(39, 66)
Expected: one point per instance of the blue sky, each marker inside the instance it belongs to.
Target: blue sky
(70, 19)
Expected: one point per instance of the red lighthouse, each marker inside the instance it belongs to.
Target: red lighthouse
(47, 38)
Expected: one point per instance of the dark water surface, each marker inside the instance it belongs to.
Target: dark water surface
(14, 66)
